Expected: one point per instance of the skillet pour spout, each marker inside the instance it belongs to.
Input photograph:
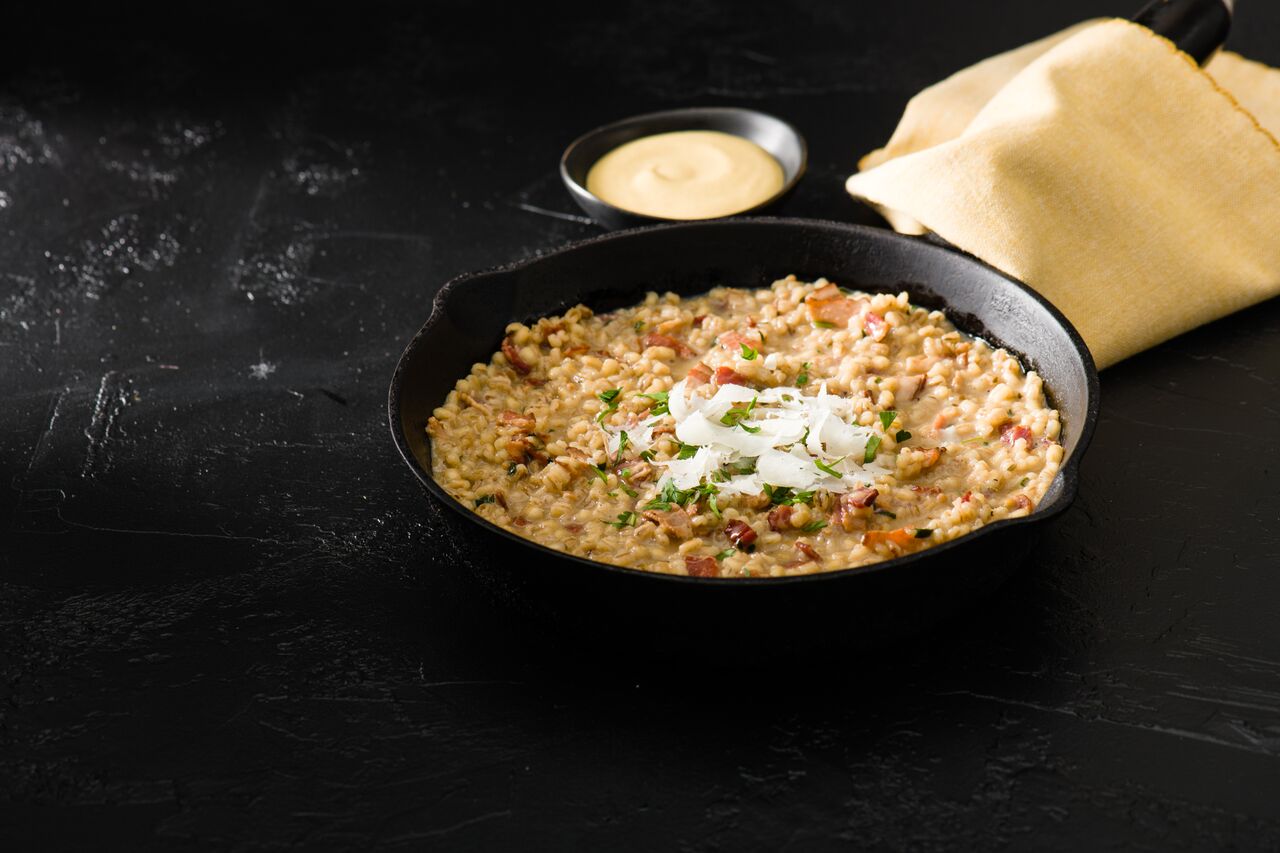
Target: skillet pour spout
(656, 613)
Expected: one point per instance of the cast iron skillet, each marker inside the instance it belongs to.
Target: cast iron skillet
(645, 611)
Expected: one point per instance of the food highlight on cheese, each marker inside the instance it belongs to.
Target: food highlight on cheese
(687, 174)
(747, 433)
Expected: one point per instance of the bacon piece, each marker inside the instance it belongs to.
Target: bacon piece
(780, 518)
(702, 567)
(729, 376)
(910, 387)
(572, 526)
(674, 522)
(834, 311)
(741, 534)
(699, 374)
(639, 470)
(520, 449)
(518, 364)
(1010, 433)
(576, 350)
(845, 514)
(861, 498)
(697, 321)
(808, 550)
(1023, 502)
(968, 496)
(926, 490)
(516, 420)
(902, 537)
(827, 291)
(653, 339)
(874, 325)
(519, 521)
(734, 340)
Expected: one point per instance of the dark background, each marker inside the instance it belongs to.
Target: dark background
(225, 616)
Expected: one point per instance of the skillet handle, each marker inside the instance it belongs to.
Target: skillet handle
(1197, 27)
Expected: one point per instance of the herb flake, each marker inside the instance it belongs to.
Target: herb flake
(828, 469)
(660, 403)
(610, 400)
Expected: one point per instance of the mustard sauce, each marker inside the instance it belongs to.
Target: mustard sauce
(688, 174)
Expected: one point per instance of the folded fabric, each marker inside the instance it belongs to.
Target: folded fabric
(1136, 191)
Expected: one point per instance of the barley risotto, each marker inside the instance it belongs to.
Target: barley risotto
(747, 433)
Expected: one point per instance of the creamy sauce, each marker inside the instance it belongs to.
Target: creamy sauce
(688, 174)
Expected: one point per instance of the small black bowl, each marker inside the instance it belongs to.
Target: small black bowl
(618, 608)
(774, 135)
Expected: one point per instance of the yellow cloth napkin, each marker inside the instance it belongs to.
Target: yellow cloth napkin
(1102, 167)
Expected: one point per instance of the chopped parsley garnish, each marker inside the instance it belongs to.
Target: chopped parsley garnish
(923, 533)
(687, 451)
(1025, 480)
(639, 324)
(736, 416)
(823, 324)
(599, 472)
(625, 519)
(803, 379)
(887, 419)
(610, 400)
(631, 493)
(813, 526)
(712, 502)
(647, 455)
(886, 513)
(748, 354)
(902, 436)
(827, 469)
(660, 406)
(725, 554)
(671, 496)
(623, 441)
(783, 496)
(511, 469)
(873, 444)
(743, 466)
(485, 499)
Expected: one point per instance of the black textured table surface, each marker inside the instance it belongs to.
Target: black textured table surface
(225, 616)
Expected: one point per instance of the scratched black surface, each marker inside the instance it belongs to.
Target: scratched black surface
(227, 617)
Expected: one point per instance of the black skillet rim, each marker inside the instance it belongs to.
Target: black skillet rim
(1068, 472)
(578, 188)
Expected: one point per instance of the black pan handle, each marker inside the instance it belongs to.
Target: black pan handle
(1197, 27)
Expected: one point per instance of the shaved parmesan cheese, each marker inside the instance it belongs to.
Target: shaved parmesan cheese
(785, 434)
(639, 438)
